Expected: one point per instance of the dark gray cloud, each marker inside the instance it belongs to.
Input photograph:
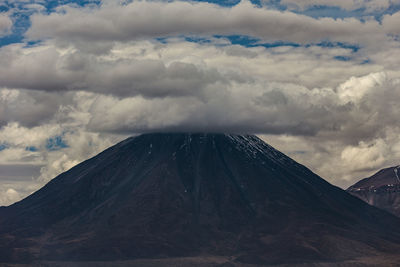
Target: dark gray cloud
(29, 108)
(73, 71)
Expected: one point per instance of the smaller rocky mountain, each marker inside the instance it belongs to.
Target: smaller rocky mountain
(381, 190)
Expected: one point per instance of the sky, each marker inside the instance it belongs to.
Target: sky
(317, 79)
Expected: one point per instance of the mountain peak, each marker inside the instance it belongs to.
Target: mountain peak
(183, 194)
(381, 189)
(385, 177)
(250, 144)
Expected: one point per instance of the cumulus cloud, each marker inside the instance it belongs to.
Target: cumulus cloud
(356, 87)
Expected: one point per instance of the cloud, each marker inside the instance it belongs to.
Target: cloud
(229, 110)
(5, 24)
(14, 188)
(391, 23)
(365, 156)
(9, 196)
(177, 68)
(15, 135)
(81, 146)
(327, 92)
(28, 108)
(149, 19)
(150, 86)
(23, 171)
(72, 70)
(342, 165)
(355, 88)
(277, 108)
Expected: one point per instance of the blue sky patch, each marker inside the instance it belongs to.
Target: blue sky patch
(55, 143)
(248, 41)
(329, 11)
(342, 58)
(225, 3)
(353, 47)
(3, 146)
(336, 12)
(31, 148)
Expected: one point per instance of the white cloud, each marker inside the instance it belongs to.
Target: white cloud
(15, 135)
(81, 146)
(12, 191)
(365, 156)
(355, 88)
(9, 196)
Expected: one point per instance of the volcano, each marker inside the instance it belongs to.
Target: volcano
(381, 190)
(162, 195)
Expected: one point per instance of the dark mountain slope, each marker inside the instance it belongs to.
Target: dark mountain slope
(169, 195)
(381, 190)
